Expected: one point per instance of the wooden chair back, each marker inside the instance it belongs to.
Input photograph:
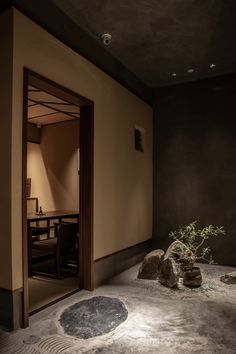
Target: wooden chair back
(67, 237)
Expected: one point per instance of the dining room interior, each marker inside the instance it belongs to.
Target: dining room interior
(53, 154)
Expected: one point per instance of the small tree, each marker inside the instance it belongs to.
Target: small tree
(193, 239)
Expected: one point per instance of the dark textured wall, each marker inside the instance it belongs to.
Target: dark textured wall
(195, 164)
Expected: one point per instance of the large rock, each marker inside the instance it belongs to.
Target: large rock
(181, 254)
(169, 273)
(151, 265)
(229, 278)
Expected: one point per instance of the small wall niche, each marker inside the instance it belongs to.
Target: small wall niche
(139, 139)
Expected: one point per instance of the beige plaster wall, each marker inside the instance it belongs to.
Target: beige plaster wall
(53, 168)
(6, 47)
(122, 176)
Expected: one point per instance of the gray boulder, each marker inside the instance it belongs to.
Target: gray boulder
(151, 265)
(169, 273)
(181, 254)
(229, 278)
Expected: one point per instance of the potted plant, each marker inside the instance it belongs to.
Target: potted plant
(192, 248)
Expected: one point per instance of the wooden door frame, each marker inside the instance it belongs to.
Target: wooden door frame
(86, 277)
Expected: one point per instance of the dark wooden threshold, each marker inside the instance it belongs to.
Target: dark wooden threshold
(124, 249)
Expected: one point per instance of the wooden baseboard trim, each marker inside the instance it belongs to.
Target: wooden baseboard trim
(10, 292)
(124, 249)
(111, 265)
(10, 308)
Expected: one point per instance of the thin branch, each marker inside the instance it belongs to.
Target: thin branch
(200, 244)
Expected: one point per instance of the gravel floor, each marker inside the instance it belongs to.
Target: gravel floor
(160, 320)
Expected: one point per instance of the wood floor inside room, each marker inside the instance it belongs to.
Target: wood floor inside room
(45, 287)
(44, 290)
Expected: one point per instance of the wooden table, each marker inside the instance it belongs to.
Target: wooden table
(47, 216)
(50, 215)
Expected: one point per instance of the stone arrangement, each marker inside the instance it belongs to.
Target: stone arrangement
(169, 267)
(169, 273)
(150, 267)
(179, 252)
(193, 277)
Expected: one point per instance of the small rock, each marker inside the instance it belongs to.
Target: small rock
(181, 254)
(169, 273)
(151, 265)
(229, 278)
(193, 277)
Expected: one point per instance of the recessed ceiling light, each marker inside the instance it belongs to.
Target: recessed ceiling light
(212, 66)
(174, 74)
(190, 71)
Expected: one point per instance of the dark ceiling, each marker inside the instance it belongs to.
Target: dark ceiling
(155, 38)
(151, 39)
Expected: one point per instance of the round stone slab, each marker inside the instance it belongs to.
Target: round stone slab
(93, 317)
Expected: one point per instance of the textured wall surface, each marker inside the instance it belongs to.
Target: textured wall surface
(196, 161)
(122, 176)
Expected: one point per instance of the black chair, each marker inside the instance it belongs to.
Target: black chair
(37, 230)
(63, 245)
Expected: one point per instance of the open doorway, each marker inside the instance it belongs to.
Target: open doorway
(57, 193)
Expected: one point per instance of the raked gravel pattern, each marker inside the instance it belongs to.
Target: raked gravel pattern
(160, 320)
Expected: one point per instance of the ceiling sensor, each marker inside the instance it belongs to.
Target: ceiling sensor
(106, 38)
(190, 71)
(212, 66)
